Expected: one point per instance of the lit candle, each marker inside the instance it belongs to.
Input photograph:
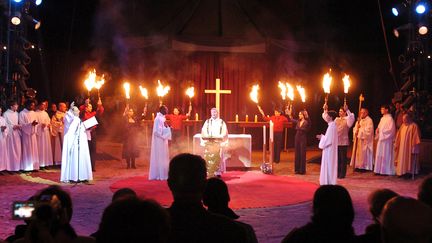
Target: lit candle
(236, 118)
(247, 118)
(271, 131)
(256, 118)
(152, 116)
(264, 135)
(196, 116)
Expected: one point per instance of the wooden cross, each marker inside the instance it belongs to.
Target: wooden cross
(218, 92)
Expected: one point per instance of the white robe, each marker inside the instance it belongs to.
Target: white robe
(363, 157)
(384, 150)
(13, 141)
(329, 157)
(216, 128)
(76, 164)
(57, 132)
(43, 135)
(30, 156)
(3, 150)
(159, 154)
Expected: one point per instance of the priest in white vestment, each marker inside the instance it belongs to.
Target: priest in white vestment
(159, 154)
(385, 134)
(407, 147)
(3, 136)
(43, 134)
(214, 135)
(57, 132)
(28, 123)
(329, 144)
(363, 135)
(13, 140)
(76, 163)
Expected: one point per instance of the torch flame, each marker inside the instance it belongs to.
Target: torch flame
(327, 79)
(302, 93)
(347, 83)
(162, 90)
(290, 91)
(98, 84)
(283, 89)
(90, 82)
(126, 87)
(190, 92)
(254, 93)
(144, 92)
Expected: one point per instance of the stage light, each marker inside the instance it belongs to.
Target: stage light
(16, 18)
(30, 19)
(423, 30)
(395, 11)
(421, 8)
(38, 2)
(397, 31)
(17, 1)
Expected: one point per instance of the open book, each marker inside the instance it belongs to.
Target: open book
(91, 122)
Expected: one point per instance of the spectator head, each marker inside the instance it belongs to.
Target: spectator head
(425, 191)
(123, 193)
(187, 177)
(332, 114)
(216, 193)
(134, 220)
(216, 198)
(277, 111)
(163, 110)
(378, 199)
(332, 206)
(59, 198)
(42, 106)
(405, 219)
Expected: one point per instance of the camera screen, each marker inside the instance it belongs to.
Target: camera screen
(22, 210)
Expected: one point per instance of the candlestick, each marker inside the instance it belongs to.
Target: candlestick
(264, 145)
(271, 131)
(264, 135)
(196, 116)
(256, 118)
(236, 118)
(247, 118)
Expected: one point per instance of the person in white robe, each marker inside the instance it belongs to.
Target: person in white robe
(57, 132)
(363, 134)
(13, 139)
(214, 137)
(329, 145)
(43, 134)
(76, 163)
(159, 154)
(407, 147)
(385, 134)
(3, 136)
(28, 121)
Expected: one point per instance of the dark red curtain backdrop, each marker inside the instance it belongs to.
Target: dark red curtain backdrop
(238, 72)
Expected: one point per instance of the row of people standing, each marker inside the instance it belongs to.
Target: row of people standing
(396, 151)
(26, 138)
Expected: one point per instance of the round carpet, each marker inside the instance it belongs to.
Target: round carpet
(250, 189)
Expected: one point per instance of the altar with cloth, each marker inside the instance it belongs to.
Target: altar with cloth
(238, 153)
